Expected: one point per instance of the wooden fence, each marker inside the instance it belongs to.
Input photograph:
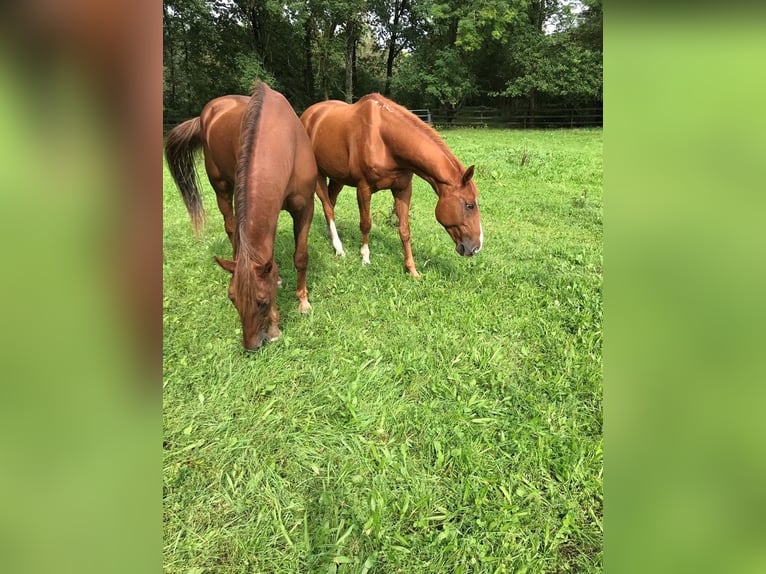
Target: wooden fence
(494, 118)
(543, 118)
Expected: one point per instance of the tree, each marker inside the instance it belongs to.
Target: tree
(439, 53)
(557, 62)
(444, 63)
(206, 55)
(397, 25)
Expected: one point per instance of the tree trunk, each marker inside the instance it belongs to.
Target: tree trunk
(169, 45)
(255, 28)
(389, 68)
(354, 81)
(532, 108)
(392, 47)
(323, 80)
(350, 41)
(173, 80)
(187, 75)
(308, 37)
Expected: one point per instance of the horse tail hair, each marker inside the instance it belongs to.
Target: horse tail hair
(180, 147)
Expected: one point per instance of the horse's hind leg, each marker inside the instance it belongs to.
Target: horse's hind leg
(402, 206)
(301, 226)
(328, 197)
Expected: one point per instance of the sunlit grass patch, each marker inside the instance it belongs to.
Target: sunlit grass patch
(450, 424)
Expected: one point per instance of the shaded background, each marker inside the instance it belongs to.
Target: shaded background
(525, 62)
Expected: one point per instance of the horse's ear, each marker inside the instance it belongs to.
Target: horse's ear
(226, 264)
(468, 175)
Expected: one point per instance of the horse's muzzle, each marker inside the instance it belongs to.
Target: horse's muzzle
(467, 249)
(260, 340)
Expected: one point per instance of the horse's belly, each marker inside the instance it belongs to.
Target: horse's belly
(337, 170)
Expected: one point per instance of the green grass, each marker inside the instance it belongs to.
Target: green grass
(451, 424)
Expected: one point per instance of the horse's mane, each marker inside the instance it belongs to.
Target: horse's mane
(248, 139)
(413, 120)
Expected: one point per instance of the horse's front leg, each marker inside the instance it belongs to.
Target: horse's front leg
(273, 332)
(363, 196)
(301, 226)
(328, 197)
(402, 198)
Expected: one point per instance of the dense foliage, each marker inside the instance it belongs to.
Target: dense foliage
(441, 54)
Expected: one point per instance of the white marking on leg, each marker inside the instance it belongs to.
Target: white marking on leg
(304, 306)
(365, 254)
(336, 240)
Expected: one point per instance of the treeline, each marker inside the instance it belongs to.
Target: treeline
(439, 54)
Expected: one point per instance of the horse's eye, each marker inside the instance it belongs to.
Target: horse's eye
(469, 206)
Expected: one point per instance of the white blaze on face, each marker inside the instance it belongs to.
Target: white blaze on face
(365, 254)
(481, 237)
(336, 240)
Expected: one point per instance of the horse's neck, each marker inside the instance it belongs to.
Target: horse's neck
(427, 158)
(261, 215)
(259, 240)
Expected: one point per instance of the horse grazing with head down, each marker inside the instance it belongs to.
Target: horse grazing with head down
(377, 144)
(257, 152)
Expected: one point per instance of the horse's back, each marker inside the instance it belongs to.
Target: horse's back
(315, 113)
(282, 147)
(329, 126)
(282, 125)
(221, 117)
(347, 141)
(221, 120)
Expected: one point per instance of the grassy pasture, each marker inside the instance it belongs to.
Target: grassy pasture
(451, 424)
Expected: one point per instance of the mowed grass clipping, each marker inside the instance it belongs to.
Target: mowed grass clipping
(444, 425)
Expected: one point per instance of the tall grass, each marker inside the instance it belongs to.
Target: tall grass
(448, 424)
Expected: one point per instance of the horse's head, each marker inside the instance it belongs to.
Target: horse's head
(253, 291)
(458, 211)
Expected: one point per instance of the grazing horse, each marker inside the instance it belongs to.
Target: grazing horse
(257, 151)
(377, 144)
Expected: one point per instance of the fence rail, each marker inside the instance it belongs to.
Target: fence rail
(424, 115)
(492, 117)
(551, 118)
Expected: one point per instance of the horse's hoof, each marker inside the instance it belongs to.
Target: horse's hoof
(304, 307)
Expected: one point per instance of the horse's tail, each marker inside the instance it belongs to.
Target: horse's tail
(180, 147)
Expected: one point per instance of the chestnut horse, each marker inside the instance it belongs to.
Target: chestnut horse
(257, 151)
(377, 144)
